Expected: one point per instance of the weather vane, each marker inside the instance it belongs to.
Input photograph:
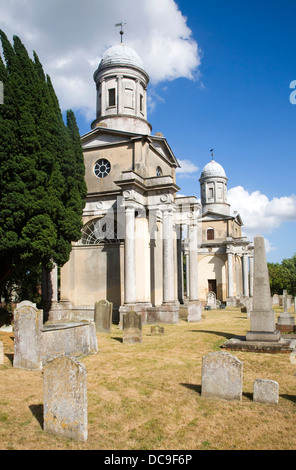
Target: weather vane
(121, 30)
(212, 153)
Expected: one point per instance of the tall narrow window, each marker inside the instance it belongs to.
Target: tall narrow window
(141, 103)
(210, 234)
(111, 97)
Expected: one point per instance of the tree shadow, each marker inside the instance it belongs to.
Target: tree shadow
(37, 412)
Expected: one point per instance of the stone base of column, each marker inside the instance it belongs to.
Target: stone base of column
(139, 307)
(57, 311)
(168, 312)
(231, 302)
(194, 308)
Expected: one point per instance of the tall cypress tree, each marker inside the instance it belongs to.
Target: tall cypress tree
(42, 187)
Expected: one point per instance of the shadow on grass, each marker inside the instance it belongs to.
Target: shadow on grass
(37, 412)
(218, 333)
(10, 357)
(117, 339)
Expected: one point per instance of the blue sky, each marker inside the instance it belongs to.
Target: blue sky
(220, 74)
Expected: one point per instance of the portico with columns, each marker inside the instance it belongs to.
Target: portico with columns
(136, 230)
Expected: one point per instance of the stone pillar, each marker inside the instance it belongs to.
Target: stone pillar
(194, 306)
(245, 275)
(251, 265)
(103, 97)
(230, 274)
(193, 266)
(187, 274)
(168, 257)
(262, 318)
(129, 256)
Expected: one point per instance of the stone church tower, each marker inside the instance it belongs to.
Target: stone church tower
(132, 250)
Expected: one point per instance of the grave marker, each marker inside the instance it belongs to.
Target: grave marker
(132, 327)
(65, 398)
(222, 376)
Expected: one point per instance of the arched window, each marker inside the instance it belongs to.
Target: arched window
(158, 171)
(210, 234)
(97, 231)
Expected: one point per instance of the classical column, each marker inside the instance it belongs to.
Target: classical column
(187, 273)
(103, 97)
(50, 284)
(230, 274)
(168, 256)
(120, 95)
(129, 256)
(245, 275)
(251, 275)
(193, 266)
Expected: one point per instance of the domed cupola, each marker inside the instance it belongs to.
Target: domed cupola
(121, 91)
(213, 189)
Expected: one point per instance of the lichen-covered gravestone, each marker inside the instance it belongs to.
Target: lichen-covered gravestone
(28, 322)
(222, 376)
(266, 391)
(65, 398)
(132, 327)
(103, 316)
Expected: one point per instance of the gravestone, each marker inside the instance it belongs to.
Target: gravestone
(103, 316)
(285, 321)
(1, 353)
(132, 327)
(211, 300)
(266, 391)
(262, 317)
(222, 376)
(28, 322)
(157, 330)
(65, 398)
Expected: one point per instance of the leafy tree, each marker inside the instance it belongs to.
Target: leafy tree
(42, 187)
(283, 276)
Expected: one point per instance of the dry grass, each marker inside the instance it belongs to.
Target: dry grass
(148, 396)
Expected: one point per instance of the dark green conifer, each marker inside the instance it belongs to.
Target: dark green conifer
(42, 186)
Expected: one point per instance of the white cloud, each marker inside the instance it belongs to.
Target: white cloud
(70, 37)
(187, 168)
(260, 214)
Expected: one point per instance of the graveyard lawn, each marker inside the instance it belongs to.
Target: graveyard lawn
(147, 396)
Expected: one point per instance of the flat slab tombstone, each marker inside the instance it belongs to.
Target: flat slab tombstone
(103, 316)
(266, 391)
(65, 398)
(132, 327)
(28, 322)
(222, 376)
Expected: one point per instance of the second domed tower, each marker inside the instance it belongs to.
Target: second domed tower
(213, 189)
(121, 91)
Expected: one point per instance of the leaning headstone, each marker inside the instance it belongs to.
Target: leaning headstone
(285, 321)
(262, 317)
(103, 316)
(28, 322)
(222, 376)
(65, 398)
(1, 353)
(266, 391)
(132, 327)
